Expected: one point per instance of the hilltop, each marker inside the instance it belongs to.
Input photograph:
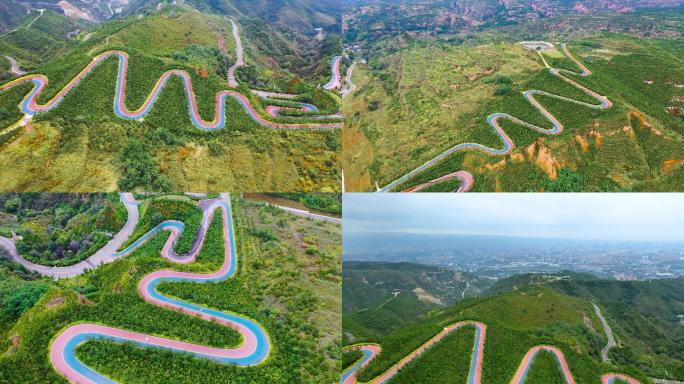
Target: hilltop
(527, 310)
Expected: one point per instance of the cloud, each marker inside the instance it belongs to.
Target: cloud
(609, 216)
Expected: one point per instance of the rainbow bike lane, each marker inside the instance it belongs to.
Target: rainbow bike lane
(30, 105)
(371, 351)
(253, 350)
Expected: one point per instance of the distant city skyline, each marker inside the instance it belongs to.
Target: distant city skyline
(609, 217)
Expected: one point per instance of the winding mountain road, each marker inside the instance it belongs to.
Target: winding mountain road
(370, 351)
(30, 105)
(15, 70)
(466, 179)
(335, 79)
(272, 110)
(307, 214)
(255, 346)
(40, 11)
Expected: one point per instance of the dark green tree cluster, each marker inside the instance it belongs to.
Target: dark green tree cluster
(140, 169)
(61, 229)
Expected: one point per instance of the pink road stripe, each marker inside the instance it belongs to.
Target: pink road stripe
(479, 349)
(42, 81)
(465, 177)
(249, 343)
(530, 356)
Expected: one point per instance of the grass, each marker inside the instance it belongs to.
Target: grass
(423, 117)
(516, 321)
(45, 39)
(294, 295)
(61, 229)
(88, 136)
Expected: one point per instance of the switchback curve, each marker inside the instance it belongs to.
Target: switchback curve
(493, 121)
(30, 106)
(255, 346)
(349, 86)
(370, 351)
(335, 78)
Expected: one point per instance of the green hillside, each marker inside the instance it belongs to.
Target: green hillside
(40, 38)
(524, 311)
(379, 298)
(293, 294)
(60, 229)
(645, 316)
(83, 145)
(408, 109)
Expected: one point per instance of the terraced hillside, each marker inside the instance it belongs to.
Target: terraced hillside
(420, 97)
(85, 144)
(285, 282)
(560, 314)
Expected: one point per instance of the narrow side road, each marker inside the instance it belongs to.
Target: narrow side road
(609, 334)
(15, 70)
(106, 254)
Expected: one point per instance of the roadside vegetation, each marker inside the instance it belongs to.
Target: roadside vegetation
(83, 145)
(323, 202)
(293, 292)
(60, 229)
(408, 109)
(520, 312)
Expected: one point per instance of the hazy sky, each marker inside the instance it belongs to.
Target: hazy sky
(607, 216)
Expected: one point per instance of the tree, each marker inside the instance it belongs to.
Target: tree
(12, 205)
(139, 168)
